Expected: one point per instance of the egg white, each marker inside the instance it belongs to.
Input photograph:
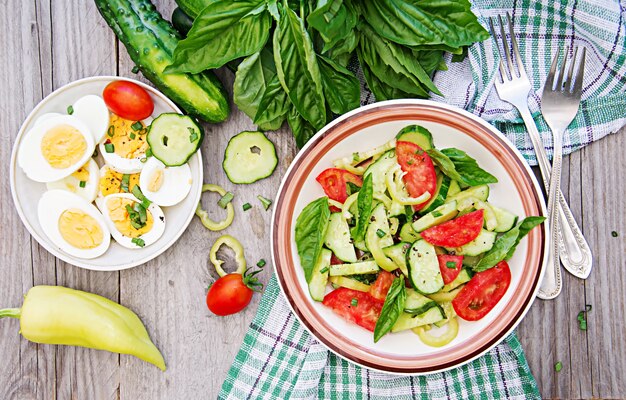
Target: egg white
(176, 182)
(52, 204)
(92, 110)
(47, 116)
(32, 161)
(88, 192)
(158, 227)
(122, 164)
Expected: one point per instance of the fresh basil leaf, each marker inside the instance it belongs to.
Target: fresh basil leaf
(341, 87)
(392, 309)
(368, 279)
(352, 188)
(414, 23)
(380, 89)
(311, 227)
(461, 56)
(342, 51)
(297, 68)
(273, 107)
(505, 245)
(364, 206)
(445, 164)
(468, 168)
(223, 31)
(300, 128)
(272, 7)
(334, 20)
(430, 60)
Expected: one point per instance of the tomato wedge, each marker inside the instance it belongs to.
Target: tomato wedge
(381, 285)
(334, 182)
(420, 174)
(450, 266)
(366, 311)
(482, 292)
(455, 233)
(334, 260)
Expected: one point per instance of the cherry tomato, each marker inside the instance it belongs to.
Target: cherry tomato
(420, 174)
(381, 285)
(128, 100)
(482, 292)
(457, 232)
(228, 295)
(334, 181)
(355, 306)
(450, 266)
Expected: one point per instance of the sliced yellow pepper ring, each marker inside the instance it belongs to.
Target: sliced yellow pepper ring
(345, 209)
(204, 216)
(393, 179)
(234, 244)
(438, 341)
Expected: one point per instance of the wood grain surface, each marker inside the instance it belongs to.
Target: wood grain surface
(48, 43)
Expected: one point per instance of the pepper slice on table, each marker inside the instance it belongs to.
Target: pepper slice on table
(59, 315)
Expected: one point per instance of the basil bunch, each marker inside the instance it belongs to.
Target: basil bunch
(300, 75)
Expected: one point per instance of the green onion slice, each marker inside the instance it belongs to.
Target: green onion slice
(246, 206)
(139, 242)
(82, 184)
(225, 199)
(70, 110)
(137, 126)
(265, 201)
(109, 148)
(261, 263)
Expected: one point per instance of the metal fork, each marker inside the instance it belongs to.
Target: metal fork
(514, 87)
(559, 106)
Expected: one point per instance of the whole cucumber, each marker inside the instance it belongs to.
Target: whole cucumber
(181, 21)
(150, 41)
(192, 7)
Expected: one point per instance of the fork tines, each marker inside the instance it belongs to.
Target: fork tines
(564, 82)
(510, 73)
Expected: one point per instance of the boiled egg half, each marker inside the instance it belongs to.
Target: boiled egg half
(92, 110)
(84, 181)
(165, 186)
(124, 146)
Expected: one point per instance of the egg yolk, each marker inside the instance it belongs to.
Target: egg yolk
(121, 219)
(111, 182)
(156, 181)
(63, 146)
(127, 142)
(82, 174)
(79, 229)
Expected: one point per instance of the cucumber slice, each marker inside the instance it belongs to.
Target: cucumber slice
(471, 261)
(416, 134)
(319, 279)
(483, 242)
(338, 238)
(396, 209)
(468, 204)
(454, 188)
(439, 215)
(394, 224)
(349, 283)
(505, 219)
(417, 304)
(480, 192)
(407, 234)
(449, 311)
(378, 170)
(443, 186)
(463, 277)
(174, 138)
(407, 321)
(249, 157)
(424, 272)
(397, 253)
(363, 267)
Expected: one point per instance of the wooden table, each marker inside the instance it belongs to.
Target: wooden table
(47, 44)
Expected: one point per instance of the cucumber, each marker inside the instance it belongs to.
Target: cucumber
(416, 134)
(471, 261)
(505, 219)
(417, 304)
(480, 192)
(483, 242)
(407, 234)
(349, 283)
(363, 267)
(454, 188)
(397, 253)
(193, 7)
(181, 21)
(174, 138)
(449, 311)
(394, 224)
(319, 279)
(468, 204)
(463, 277)
(407, 321)
(443, 186)
(377, 237)
(378, 170)
(150, 41)
(396, 209)
(439, 215)
(424, 272)
(249, 157)
(338, 238)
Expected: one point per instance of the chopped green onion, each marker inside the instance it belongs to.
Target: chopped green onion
(140, 196)
(135, 218)
(82, 184)
(132, 136)
(265, 201)
(225, 200)
(324, 270)
(111, 131)
(380, 233)
(246, 206)
(139, 242)
(136, 126)
(193, 136)
(135, 69)
(354, 302)
(261, 263)
(70, 110)
(437, 214)
(143, 216)
(149, 153)
(558, 366)
(614, 234)
(125, 182)
(109, 148)
(450, 264)
(355, 157)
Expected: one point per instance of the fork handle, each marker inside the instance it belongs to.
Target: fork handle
(575, 253)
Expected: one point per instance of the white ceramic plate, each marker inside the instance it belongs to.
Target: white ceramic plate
(26, 193)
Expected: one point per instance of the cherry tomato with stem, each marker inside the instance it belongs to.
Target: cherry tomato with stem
(232, 293)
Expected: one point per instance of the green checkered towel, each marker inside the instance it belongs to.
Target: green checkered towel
(279, 359)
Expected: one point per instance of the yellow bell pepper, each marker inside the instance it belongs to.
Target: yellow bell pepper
(204, 215)
(235, 246)
(59, 315)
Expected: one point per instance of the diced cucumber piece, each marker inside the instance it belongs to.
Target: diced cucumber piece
(416, 134)
(506, 220)
(349, 283)
(407, 234)
(483, 242)
(443, 186)
(480, 192)
(416, 303)
(363, 267)
(377, 237)
(338, 238)
(424, 272)
(439, 215)
(319, 279)
(360, 244)
(397, 253)
(468, 204)
(378, 170)
(174, 138)
(407, 321)
(454, 188)
(463, 277)
(249, 156)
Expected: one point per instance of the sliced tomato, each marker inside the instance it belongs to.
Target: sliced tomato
(450, 266)
(420, 174)
(482, 292)
(334, 182)
(334, 260)
(381, 285)
(365, 312)
(457, 232)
